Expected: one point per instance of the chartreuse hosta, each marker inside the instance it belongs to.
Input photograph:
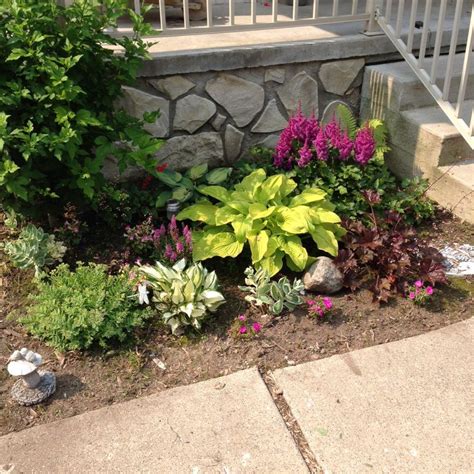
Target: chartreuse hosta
(263, 212)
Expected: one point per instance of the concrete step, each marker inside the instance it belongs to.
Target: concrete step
(396, 86)
(453, 188)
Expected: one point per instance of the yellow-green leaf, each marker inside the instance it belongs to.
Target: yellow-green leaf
(258, 245)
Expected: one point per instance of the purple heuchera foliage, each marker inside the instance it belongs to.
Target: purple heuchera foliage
(304, 140)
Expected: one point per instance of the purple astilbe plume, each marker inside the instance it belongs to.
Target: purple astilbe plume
(364, 146)
(321, 145)
(339, 140)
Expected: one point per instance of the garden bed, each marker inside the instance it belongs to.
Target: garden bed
(90, 380)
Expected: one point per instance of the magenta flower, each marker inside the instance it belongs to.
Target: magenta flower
(242, 317)
(364, 146)
(243, 330)
(327, 302)
(179, 248)
(257, 327)
(411, 295)
(429, 290)
(418, 283)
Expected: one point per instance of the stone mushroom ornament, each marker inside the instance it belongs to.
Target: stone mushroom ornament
(34, 385)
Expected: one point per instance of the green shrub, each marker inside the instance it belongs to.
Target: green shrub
(75, 310)
(34, 249)
(274, 295)
(59, 81)
(183, 295)
(260, 211)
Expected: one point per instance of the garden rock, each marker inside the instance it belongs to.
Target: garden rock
(337, 76)
(233, 142)
(218, 121)
(173, 86)
(302, 90)
(323, 277)
(136, 102)
(192, 112)
(271, 119)
(242, 99)
(186, 151)
(459, 260)
(270, 141)
(275, 75)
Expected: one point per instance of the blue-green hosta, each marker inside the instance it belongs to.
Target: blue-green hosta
(263, 212)
(183, 295)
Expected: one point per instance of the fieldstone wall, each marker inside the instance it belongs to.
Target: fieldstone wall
(215, 117)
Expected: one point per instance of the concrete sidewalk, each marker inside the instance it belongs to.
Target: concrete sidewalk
(401, 407)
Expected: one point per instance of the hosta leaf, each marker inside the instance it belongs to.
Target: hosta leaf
(292, 246)
(204, 212)
(296, 220)
(325, 240)
(225, 214)
(258, 245)
(197, 171)
(273, 264)
(308, 196)
(218, 175)
(217, 192)
(271, 187)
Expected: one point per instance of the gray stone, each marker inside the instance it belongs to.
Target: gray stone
(405, 406)
(233, 142)
(111, 171)
(271, 119)
(300, 90)
(218, 121)
(270, 141)
(185, 151)
(323, 277)
(192, 112)
(337, 76)
(275, 75)
(136, 103)
(225, 425)
(27, 396)
(242, 99)
(173, 86)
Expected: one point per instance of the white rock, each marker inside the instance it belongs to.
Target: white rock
(136, 102)
(218, 121)
(337, 76)
(185, 151)
(271, 119)
(233, 142)
(323, 277)
(20, 368)
(300, 89)
(173, 86)
(192, 112)
(242, 99)
(275, 75)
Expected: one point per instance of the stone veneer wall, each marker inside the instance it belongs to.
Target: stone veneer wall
(215, 117)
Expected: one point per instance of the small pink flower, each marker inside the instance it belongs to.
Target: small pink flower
(429, 290)
(242, 317)
(311, 302)
(243, 330)
(327, 302)
(418, 283)
(411, 295)
(257, 327)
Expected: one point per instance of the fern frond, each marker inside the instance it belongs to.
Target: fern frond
(347, 119)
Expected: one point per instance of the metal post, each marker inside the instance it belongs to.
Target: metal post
(372, 27)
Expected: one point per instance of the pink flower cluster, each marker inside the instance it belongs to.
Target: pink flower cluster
(419, 293)
(305, 139)
(245, 328)
(319, 307)
(164, 243)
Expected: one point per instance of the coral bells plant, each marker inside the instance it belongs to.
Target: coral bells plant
(319, 307)
(243, 327)
(420, 293)
(166, 244)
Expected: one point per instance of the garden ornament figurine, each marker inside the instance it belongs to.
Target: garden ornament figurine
(34, 385)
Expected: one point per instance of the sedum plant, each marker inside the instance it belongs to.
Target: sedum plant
(75, 310)
(34, 248)
(261, 212)
(184, 295)
(274, 295)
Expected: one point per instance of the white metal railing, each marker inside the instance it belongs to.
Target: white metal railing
(399, 21)
(205, 16)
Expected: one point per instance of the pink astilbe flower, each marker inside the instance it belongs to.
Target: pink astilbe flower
(321, 146)
(364, 146)
(339, 140)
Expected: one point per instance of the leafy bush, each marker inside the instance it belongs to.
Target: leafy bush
(59, 82)
(34, 249)
(385, 256)
(183, 295)
(274, 295)
(260, 211)
(74, 310)
(166, 244)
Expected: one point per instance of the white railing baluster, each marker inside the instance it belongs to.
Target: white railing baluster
(186, 14)
(335, 7)
(232, 12)
(398, 28)
(411, 25)
(295, 9)
(137, 6)
(388, 11)
(438, 40)
(354, 6)
(466, 67)
(162, 15)
(472, 123)
(275, 11)
(209, 13)
(253, 11)
(315, 9)
(424, 33)
(452, 49)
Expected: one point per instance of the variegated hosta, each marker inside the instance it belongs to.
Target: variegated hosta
(183, 295)
(260, 211)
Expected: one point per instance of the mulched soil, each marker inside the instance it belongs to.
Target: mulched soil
(95, 379)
